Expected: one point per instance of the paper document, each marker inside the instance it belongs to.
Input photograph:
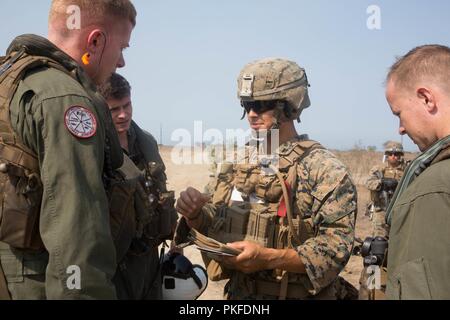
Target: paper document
(210, 245)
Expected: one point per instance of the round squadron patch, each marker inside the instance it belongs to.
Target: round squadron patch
(80, 122)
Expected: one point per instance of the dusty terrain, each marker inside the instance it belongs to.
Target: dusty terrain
(359, 162)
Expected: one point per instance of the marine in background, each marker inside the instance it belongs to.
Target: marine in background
(382, 182)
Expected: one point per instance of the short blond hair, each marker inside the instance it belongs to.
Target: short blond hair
(428, 62)
(94, 11)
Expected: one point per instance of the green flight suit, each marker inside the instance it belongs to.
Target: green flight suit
(74, 216)
(419, 238)
(138, 276)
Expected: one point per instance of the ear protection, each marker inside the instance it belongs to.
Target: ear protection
(85, 58)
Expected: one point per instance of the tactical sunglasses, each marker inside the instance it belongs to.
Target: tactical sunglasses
(397, 154)
(260, 106)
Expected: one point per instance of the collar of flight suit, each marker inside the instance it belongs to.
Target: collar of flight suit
(439, 151)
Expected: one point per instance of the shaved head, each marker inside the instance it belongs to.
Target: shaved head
(426, 64)
(93, 12)
(93, 32)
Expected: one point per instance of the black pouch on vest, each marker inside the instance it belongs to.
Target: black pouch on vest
(166, 215)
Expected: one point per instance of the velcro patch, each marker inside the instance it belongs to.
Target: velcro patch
(80, 122)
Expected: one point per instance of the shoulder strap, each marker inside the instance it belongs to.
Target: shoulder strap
(299, 151)
(12, 71)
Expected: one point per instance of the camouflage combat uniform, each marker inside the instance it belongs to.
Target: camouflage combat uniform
(300, 197)
(373, 183)
(324, 208)
(377, 208)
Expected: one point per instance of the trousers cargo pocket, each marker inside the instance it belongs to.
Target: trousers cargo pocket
(412, 282)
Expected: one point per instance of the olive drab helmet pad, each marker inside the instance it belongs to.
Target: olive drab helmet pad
(275, 79)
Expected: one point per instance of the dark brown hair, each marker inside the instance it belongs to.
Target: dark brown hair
(117, 87)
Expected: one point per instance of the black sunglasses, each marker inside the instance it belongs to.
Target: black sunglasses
(397, 154)
(260, 106)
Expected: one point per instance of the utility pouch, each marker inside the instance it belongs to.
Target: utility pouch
(262, 227)
(166, 214)
(20, 196)
(230, 224)
(160, 226)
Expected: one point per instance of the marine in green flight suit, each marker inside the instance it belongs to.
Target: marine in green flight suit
(56, 117)
(419, 215)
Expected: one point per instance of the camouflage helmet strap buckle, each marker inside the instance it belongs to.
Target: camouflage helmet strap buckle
(247, 86)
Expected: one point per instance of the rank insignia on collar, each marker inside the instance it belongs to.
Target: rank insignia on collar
(80, 122)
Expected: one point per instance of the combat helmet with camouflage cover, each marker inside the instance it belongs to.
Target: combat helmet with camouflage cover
(275, 79)
(394, 147)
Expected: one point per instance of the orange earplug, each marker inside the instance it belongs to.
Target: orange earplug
(85, 58)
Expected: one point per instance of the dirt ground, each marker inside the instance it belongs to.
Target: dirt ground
(182, 176)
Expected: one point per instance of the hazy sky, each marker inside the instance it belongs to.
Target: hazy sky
(185, 56)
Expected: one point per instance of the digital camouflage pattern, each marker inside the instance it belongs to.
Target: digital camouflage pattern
(373, 183)
(325, 202)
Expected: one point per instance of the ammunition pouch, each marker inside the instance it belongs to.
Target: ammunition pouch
(135, 226)
(160, 227)
(167, 214)
(269, 188)
(263, 227)
(230, 224)
(246, 179)
(20, 197)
